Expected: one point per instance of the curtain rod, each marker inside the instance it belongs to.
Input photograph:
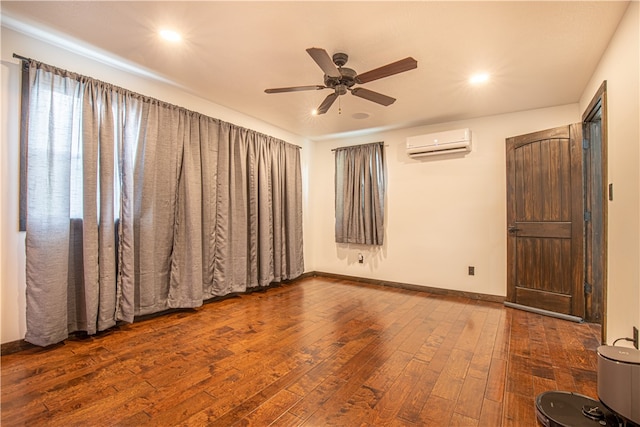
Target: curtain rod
(25, 59)
(20, 57)
(360, 145)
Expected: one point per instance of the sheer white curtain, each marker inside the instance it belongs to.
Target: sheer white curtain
(135, 206)
(360, 189)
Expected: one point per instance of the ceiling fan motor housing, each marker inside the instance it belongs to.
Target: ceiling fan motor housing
(348, 78)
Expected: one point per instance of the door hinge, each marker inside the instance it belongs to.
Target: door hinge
(585, 144)
(587, 288)
(587, 216)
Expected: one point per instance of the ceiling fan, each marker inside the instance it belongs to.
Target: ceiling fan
(342, 79)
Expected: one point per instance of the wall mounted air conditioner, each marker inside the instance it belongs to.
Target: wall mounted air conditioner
(452, 141)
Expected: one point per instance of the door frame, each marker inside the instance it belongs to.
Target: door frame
(595, 159)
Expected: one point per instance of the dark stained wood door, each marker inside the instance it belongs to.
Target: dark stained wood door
(545, 220)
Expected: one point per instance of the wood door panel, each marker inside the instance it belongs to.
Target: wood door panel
(543, 175)
(545, 220)
(543, 264)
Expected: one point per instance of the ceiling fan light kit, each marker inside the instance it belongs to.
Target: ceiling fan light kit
(342, 79)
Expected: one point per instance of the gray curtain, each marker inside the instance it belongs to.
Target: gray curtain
(135, 206)
(360, 188)
(259, 192)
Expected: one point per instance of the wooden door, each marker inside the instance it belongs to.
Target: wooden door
(545, 220)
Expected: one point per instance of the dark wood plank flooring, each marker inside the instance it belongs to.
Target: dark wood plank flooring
(317, 352)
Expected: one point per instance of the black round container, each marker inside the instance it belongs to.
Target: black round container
(566, 409)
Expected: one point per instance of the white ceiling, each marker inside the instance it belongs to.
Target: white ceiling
(539, 54)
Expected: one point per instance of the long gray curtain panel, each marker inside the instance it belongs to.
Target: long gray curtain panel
(135, 206)
(359, 198)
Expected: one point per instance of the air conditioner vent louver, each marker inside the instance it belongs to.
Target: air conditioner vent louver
(453, 141)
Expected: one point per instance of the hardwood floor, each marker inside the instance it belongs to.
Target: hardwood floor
(317, 352)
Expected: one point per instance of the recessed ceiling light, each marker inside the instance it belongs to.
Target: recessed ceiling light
(479, 78)
(314, 112)
(170, 35)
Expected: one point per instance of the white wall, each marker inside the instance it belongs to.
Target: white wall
(619, 66)
(443, 213)
(12, 259)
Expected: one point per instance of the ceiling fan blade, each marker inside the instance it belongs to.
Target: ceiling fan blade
(401, 66)
(373, 96)
(324, 61)
(326, 104)
(294, 88)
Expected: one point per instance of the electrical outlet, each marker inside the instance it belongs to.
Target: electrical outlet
(472, 270)
(635, 337)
